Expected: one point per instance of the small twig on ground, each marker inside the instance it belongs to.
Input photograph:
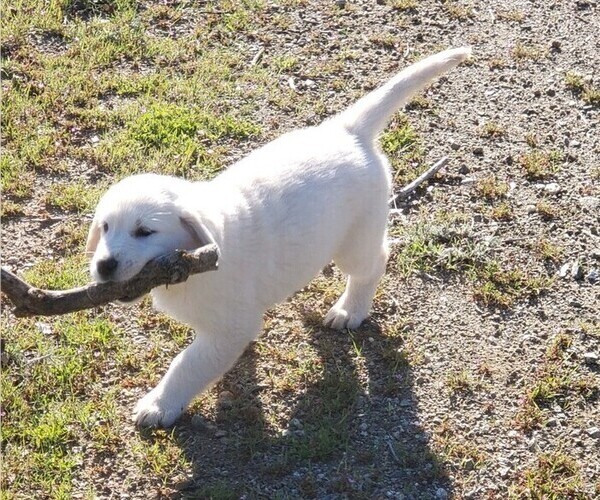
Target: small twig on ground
(392, 451)
(256, 59)
(168, 269)
(407, 190)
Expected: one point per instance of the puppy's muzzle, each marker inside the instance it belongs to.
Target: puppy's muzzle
(106, 268)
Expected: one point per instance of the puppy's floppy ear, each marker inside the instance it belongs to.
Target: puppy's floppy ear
(93, 238)
(196, 229)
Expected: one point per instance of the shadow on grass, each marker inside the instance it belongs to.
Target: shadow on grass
(347, 438)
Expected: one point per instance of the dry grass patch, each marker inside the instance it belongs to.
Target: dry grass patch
(539, 165)
(548, 251)
(511, 15)
(403, 4)
(493, 130)
(523, 52)
(582, 88)
(502, 212)
(490, 188)
(497, 63)
(458, 11)
(546, 210)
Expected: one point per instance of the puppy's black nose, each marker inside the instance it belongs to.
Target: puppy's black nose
(106, 267)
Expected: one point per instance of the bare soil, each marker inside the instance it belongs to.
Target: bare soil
(424, 400)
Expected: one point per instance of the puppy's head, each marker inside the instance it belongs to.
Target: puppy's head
(138, 219)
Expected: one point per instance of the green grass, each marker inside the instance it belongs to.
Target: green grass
(553, 476)
(69, 273)
(458, 451)
(94, 83)
(402, 145)
(556, 382)
(446, 244)
(460, 381)
(55, 402)
(74, 196)
(495, 285)
(98, 89)
(94, 90)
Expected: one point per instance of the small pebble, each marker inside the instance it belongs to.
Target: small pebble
(478, 151)
(564, 270)
(589, 202)
(590, 358)
(552, 188)
(576, 271)
(44, 328)
(198, 422)
(593, 432)
(593, 276)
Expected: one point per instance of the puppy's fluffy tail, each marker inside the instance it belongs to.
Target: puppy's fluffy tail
(369, 115)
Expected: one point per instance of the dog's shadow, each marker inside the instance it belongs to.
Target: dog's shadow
(355, 433)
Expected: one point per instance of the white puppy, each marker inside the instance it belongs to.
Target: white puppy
(278, 217)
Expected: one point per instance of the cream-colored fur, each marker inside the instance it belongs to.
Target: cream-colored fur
(278, 217)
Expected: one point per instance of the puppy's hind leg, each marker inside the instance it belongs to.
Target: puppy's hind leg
(195, 369)
(363, 259)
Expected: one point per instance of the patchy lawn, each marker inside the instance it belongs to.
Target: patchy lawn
(477, 375)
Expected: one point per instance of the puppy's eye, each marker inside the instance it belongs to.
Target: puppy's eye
(105, 227)
(142, 232)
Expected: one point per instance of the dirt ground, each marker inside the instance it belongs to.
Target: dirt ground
(442, 393)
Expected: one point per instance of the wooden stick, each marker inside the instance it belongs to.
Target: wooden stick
(168, 269)
(410, 188)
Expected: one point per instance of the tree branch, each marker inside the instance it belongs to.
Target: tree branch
(167, 269)
(409, 188)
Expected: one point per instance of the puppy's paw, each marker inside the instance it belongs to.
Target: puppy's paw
(339, 318)
(154, 410)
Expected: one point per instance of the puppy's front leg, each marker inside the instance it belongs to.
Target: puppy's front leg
(191, 372)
